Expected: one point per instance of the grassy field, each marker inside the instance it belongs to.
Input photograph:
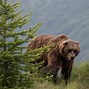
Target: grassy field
(79, 79)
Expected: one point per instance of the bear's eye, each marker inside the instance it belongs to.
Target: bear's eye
(69, 50)
(75, 51)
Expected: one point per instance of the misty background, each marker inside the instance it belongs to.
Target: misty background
(70, 17)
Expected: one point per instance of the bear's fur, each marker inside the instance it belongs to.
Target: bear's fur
(61, 55)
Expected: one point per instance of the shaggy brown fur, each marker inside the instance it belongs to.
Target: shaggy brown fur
(60, 56)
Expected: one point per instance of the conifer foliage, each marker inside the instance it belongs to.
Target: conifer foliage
(13, 62)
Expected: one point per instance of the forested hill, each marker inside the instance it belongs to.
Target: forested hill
(70, 17)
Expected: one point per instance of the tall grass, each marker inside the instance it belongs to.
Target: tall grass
(79, 79)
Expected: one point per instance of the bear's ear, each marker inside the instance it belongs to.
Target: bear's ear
(77, 42)
(62, 45)
(78, 45)
(65, 43)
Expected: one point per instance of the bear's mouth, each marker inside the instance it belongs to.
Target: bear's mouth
(70, 58)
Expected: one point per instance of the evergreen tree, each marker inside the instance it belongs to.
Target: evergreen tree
(14, 65)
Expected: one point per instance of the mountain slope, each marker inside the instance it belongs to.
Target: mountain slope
(70, 17)
(79, 79)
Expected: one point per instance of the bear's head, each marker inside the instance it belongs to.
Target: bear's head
(69, 49)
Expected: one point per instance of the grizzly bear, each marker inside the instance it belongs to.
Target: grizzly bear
(59, 59)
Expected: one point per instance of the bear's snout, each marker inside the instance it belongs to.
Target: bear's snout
(71, 55)
(72, 58)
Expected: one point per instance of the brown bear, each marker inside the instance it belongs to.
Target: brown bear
(59, 60)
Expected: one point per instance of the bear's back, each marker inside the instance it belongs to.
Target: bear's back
(46, 40)
(58, 39)
(40, 41)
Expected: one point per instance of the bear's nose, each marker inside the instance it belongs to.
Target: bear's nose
(72, 58)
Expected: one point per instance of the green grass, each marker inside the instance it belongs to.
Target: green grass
(79, 79)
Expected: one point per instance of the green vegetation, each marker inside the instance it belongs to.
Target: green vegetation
(79, 79)
(15, 70)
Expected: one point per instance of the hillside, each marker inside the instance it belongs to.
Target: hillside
(79, 79)
(70, 17)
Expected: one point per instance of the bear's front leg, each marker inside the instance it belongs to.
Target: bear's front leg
(66, 70)
(55, 76)
(66, 76)
(53, 70)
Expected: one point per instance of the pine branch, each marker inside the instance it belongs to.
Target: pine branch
(12, 58)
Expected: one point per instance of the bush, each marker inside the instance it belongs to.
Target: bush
(14, 64)
(79, 79)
